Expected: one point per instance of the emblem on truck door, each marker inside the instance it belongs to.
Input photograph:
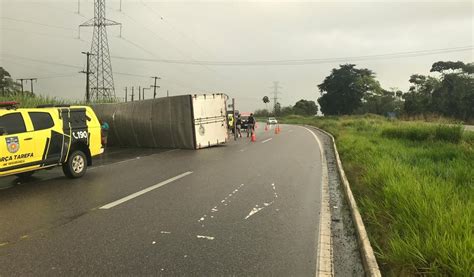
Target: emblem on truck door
(13, 144)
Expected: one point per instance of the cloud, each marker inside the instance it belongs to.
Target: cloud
(233, 31)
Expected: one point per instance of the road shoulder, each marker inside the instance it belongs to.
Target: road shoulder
(345, 244)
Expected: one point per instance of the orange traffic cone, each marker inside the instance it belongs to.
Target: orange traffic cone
(276, 130)
(266, 127)
(279, 130)
(254, 137)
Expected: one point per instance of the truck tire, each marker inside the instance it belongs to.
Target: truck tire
(25, 175)
(76, 165)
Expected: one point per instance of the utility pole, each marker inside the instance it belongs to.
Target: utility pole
(31, 83)
(88, 73)
(21, 80)
(143, 92)
(24, 80)
(155, 86)
(275, 94)
(126, 94)
(133, 93)
(167, 93)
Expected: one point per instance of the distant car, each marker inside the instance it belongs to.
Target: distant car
(244, 124)
(272, 120)
(244, 117)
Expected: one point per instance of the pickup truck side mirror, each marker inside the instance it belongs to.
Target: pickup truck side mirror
(2, 131)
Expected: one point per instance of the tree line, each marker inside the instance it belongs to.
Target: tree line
(350, 90)
(9, 87)
(302, 107)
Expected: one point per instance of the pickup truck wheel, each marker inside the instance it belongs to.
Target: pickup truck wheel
(25, 175)
(76, 165)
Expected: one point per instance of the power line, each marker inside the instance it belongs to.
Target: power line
(41, 61)
(37, 23)
(163, 40)
(304, 61)
(65, 65)
(176, 30)
(40, 34)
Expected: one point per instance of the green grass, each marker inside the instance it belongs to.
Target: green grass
(414, 184)
(32, 102)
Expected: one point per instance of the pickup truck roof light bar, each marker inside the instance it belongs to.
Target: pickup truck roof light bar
(9, 105)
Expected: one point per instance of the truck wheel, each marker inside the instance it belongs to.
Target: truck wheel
(25, 175)
(76, 165)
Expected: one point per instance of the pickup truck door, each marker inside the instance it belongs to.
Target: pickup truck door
(16, 145)
(47, 138)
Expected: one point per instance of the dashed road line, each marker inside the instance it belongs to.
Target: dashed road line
(138, 193)
(267, 140)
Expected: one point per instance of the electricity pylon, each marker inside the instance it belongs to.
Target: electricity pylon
(102, 83)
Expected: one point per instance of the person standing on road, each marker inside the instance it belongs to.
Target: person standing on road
(238, 126)
(251, 125)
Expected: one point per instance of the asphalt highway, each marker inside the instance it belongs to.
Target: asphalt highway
(246, 208)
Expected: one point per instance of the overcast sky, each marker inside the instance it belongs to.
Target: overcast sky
(231, 31)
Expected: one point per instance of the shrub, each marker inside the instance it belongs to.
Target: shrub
(450, 133)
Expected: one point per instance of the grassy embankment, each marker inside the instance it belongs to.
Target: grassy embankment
(31, 102)
(414, 185)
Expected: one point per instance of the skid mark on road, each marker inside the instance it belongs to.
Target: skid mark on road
(223, 202)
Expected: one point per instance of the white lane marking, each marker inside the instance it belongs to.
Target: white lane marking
(265, 204)
(275, 194)
(131, 159)
(257, 209)
(254, 211)
(136, 194)
(165, 232)
(205, 237)
(124, 161)
(267, 140)
(223, 201)
(324, 260)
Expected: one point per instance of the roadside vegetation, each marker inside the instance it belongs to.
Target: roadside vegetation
(29, 101)
(414, 184)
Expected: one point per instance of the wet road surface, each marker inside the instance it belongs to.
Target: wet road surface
(240, 209)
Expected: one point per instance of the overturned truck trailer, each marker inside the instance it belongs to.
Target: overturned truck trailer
(185, 122)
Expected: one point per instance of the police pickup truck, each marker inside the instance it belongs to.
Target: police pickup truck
(39, 138)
